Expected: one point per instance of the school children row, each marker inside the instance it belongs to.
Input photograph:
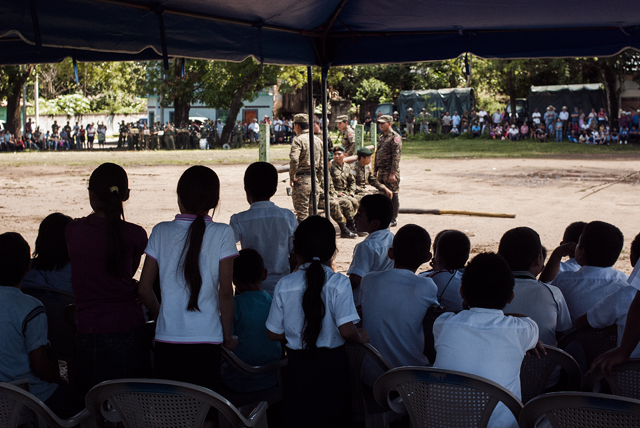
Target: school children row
(287, 293)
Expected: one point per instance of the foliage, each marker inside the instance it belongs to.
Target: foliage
(372, 89)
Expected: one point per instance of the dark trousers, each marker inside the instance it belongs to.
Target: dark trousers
(395, 201)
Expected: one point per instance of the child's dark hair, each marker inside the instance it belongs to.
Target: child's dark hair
(601, 243)
(248, 267)
(51, 247)
(199, 191)
(110, 185)
(411, 246)
(487, 281)
(14, 258)
(453, 247)
(261, 180)
(634, 252)
(378, 207)
(573, 231)
(520, 247)
(315, 243)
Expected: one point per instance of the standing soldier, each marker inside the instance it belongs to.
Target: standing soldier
(169, 142)
(122, 136)
(423, 117)
(409, 119)
(387, 163)
(237, 135)
(348, 134)
(344, 188)
(363, 175)
(154, 137)
(300, 173)
(145, 137)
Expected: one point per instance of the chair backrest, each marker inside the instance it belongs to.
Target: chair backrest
(585, 345)
(61, 334)
(580, 410)
(535, 372)
(14, 398)
(356, 352)
(437, 397)
(624, 380)
(427, 324)
(141, 403)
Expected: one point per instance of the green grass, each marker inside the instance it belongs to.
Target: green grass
(445, 147)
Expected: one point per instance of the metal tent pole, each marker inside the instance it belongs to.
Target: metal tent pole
(325, 141)
(311, 145)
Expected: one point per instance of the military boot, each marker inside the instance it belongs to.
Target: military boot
(351, 225)
(345, 232)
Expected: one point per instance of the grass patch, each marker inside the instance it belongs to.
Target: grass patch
(447, 147)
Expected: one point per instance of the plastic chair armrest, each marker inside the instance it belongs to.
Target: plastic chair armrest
(240, 365)
(256, 414)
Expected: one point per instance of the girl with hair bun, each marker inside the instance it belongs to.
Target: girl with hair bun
(105, 252)
(193, 256)
(313, 311)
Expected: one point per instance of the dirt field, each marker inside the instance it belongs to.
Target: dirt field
(545, 194)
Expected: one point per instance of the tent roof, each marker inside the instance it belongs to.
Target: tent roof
(557, 88)
(314, 32)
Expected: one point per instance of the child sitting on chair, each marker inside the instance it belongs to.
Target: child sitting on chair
(251, 309)
(483, 341)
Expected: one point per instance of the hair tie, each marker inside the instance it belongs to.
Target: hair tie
(202, 213)
(114, 189)
(317, 258)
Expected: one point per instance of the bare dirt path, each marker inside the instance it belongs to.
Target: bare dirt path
(545, 194)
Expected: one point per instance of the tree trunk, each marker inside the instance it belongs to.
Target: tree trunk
(17, 76)
(181, 112)
(512, 92)
(609, 79)
(236, 104)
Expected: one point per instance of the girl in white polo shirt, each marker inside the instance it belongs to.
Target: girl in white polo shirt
(313, 311)
(194, 258)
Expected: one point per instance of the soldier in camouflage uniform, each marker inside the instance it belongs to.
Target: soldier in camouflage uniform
(344, 187)
(335, 211)
(237, 136)
(363, 175)
(300, 173)
(347, 133)
(387, 164)
(169, 142)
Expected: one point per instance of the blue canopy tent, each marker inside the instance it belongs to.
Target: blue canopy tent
(313, 32)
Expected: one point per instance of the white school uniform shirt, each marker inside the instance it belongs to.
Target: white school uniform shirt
(585, 288)
(287, 317)
(176, 324)
(570, 265)
(268, 229)
(613, 310)
(448, 283)
(371, 255)
(485, 342)
(541, 302)
(394, 304)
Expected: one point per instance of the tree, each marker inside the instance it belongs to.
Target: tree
(12, 79)
(372, 89)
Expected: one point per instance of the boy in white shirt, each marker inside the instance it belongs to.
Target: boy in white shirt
(483, 341)
(265, 227)
(544, 303)
(371, 255)
(395, 302)
(450, 253)
(567, 247)
(598, 249)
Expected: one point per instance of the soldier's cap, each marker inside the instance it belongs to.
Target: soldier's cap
(363, 151)
(342, 118)
(338, 149)
(301, 118)
(385, 119)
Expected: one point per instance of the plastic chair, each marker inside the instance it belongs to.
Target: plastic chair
(13, 400)
(141, 403)
(437, 397)
(270, 395)
(586, 345)
(580, 410)
(363, 403)
(427, 324)
(61, 333)
(535, 372)
(625, 380)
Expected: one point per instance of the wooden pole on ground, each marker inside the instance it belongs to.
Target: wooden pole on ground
(454, 212)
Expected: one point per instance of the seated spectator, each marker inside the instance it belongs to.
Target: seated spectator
(476, 129)
(395, 302)
(604, 130)
(567, 247)
(541, 135)
(513, 134)
(624, 135)
(450, 253)
(454, 131)
(573, 136)
(598, 249)
(633, 135)
(50, 266)
(483, 341)
(524, 131)
(23, 331)
(598, 138)
(614, 136)
(583, 139)
(251, 309)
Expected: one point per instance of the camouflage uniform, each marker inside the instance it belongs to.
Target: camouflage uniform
(237, 136)
(300, 168)
(349, 141)
(388, 159)
(345, 183)
(169, 142)
(363, 175)
(334, 206)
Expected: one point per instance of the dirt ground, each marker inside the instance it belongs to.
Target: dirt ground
(545, 194)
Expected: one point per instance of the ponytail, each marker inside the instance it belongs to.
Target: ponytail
(115, 246)
(191, 261)
(312, 304)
